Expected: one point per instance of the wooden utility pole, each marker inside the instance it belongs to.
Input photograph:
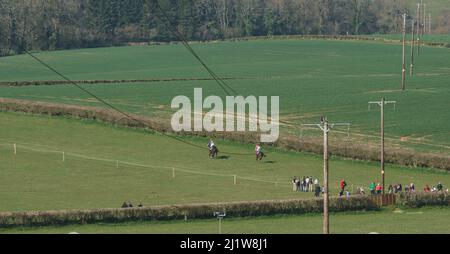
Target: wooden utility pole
(421, 17)
(382, 103)
(429, 23)
(325, 127)
(424, 19)
(411, 67)
(418, 28)
(326, 216)
(404, 56)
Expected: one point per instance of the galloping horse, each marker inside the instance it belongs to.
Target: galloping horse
(260, 156)
(213, 152)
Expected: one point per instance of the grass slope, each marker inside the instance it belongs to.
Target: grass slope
(34, 180)
(312, 78)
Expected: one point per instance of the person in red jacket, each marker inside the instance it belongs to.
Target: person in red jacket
(342, 185)
(378, 189)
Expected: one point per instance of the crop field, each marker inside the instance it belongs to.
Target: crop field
(38, 178)
(410, 221)
(312, 78)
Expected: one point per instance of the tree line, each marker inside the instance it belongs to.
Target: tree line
(65, 24)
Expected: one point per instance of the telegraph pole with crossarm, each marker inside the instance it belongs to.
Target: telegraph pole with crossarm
(382, 103)
(326, 128)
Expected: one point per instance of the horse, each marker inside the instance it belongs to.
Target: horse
(213, 152)
(260, 156)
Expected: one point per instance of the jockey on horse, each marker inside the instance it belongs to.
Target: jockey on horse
(212, 148)
(259, 153)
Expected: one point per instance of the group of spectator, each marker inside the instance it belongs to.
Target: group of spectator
(399, 188)
(411, 188)
(377, 189)
(436, 188)
(307, 184)
(130, 205)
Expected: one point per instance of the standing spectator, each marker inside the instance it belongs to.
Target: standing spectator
(427, 188)
(342, 185)
(294, 183)
(311, 184)
(372, 188)
(412, 187)
(406, 188)
(298, 184)
(439, 187)
(307, 182)
(317, 191)
(378, 189)
(316, 181)
(303, 183)
(390, 189)
(400, 188)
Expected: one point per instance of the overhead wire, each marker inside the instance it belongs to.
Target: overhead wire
(114, 108)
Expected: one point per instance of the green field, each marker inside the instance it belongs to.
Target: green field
(64, 163)
(312, 78)
(411, 221)
(40, 180)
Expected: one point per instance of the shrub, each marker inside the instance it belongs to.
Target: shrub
(194, 211)
(416, 200)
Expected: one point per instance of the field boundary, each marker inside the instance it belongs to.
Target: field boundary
(110, 81)
(180, 212)
(373, 38)
(347, 150)
(340, 38)
(206, 211)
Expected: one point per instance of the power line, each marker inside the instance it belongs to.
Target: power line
(126, 115)
(170, 25)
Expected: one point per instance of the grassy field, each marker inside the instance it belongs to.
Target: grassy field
(312, 78)
(41, 180)
(411, 221)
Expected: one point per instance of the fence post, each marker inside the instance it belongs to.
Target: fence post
(117, 164)
(64, 156)
(235, 179)
(15, 149)
(173, 172)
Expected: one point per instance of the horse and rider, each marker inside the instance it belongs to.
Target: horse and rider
(259, 152)
(213, 151)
